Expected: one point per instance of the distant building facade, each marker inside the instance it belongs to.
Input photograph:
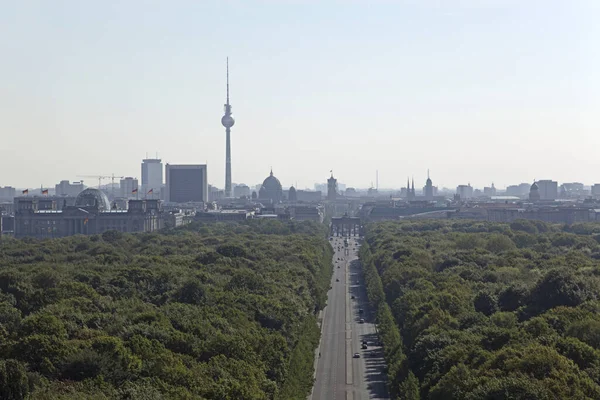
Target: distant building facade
(596, 189)
(91, 214)
(563, 215)
(306, 213)
(7, 193)
(215, 194)
(464, 191)
(186, 183)
(241, 191)
(309, 196)
(548, 189)
(223, 215)
(520, 190)
(65, 188)
(489, 191)
(129, 188)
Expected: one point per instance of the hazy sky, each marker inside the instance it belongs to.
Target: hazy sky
(476, 90)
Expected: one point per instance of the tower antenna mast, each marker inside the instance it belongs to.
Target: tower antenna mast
(227, 80)
(227, 121)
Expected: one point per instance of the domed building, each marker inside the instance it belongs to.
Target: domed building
(534, 192)
(91, 197)
(271, 189)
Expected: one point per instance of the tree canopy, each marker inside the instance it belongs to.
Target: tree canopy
(222, 311)
(477, 310)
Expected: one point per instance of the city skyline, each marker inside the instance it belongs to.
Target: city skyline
(478, 92)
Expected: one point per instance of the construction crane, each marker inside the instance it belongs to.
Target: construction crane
(100, 177)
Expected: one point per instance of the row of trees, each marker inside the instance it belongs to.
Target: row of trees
(204, 312)
(474, 310)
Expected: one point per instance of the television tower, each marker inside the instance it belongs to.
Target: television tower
(227, 121)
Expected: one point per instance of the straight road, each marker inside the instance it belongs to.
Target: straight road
(339, 375)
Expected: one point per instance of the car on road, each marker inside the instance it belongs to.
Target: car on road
(352, 297)
(337, 280)
(362, 321)
(364, 346)
(356, 355)
(360, 311)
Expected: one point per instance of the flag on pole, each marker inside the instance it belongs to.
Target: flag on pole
(150, 191)
(26, 191)
(134, 191)
(45, 191)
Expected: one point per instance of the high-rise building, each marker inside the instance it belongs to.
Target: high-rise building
(227, 121)
(152, 174)
(186, 183)
(596, 189)
(129, 187)
(548, 189)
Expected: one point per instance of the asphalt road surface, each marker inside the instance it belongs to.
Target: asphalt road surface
(339, 375)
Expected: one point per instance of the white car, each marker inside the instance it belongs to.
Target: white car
(356, 355)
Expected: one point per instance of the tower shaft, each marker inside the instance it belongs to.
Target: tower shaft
(228, 163)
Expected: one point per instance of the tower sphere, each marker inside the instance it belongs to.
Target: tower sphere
(227, 121)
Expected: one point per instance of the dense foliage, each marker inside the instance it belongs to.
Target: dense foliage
(473, 310)
(205, 312)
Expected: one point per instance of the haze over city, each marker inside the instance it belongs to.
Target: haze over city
(477, 91)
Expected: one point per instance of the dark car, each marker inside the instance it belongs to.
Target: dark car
(364, 346)
(337, 280)
(352, 297)
(360, 311)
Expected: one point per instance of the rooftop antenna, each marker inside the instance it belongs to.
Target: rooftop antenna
(377, 179)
